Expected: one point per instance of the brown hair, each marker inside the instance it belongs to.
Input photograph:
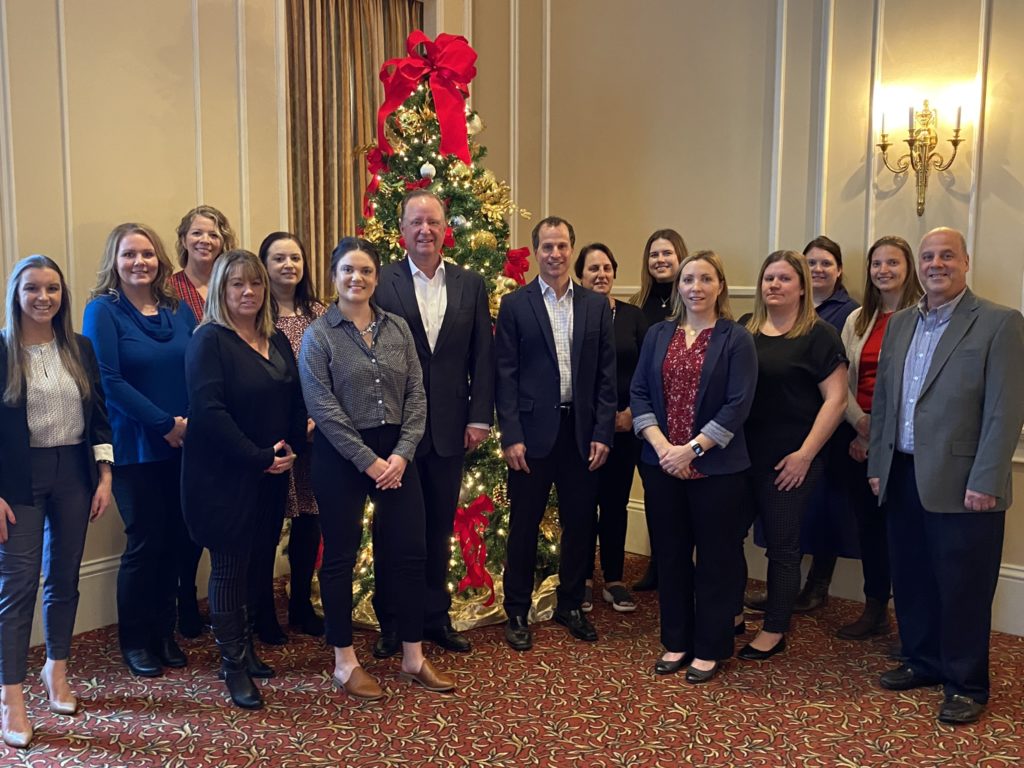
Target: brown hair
(912, 290)
(109, 282)
(807, 317)
(722, 308)
(646, 280)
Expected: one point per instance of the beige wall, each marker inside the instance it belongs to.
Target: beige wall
(120, 110)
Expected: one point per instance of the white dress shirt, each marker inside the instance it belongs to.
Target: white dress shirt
(431, 298)
(561, 317)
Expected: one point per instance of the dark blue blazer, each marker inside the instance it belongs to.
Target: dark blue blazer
(528, 390)
(458, 375)
(726, 391)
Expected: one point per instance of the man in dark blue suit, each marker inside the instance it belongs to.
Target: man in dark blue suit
(447, 311)
(556, 403)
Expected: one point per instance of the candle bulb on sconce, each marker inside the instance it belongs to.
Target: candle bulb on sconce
(921, 155)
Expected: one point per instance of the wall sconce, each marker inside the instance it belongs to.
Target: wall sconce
(921, 155)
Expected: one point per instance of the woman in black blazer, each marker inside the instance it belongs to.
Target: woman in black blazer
(55, 457)
(691, 393)
(246, 413)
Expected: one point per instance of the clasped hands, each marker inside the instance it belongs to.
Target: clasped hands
(388, 474)
(515, 456)
(284, 459)
(675, 460)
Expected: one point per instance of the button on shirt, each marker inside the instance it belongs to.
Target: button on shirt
(349, 386)
(561, 317)
(431, 298)
(931, 325)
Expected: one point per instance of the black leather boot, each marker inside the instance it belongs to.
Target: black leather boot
(649, 581)
(873, 621)
(814, 595)
(231, 630)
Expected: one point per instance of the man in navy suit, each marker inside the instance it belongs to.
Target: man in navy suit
(556, 403)
(447, 311)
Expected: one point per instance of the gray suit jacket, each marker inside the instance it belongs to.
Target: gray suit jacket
(969, 415)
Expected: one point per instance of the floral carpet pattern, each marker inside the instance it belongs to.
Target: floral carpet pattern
(565, 703)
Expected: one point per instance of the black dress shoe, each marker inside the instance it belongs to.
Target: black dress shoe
(756, 601)
(577, 623)
(269, 631)
(904, 678)
(448, 639)
(387, 645)
(170, 653)
(960, 710)
(649, 581)
(663, 667)
(697, 676)
(750, 653)
(142, 662)
(518, 634)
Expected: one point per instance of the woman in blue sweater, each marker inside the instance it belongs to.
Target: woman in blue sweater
(140, 330)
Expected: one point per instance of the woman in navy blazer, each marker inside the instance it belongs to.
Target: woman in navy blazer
(690, 395)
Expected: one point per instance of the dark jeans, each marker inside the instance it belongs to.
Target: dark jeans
(944, 573)
(781, 513)
(528, 498)
(706, 515)
(149, 500)
(398, 537)
(614, 481)
(51, 534)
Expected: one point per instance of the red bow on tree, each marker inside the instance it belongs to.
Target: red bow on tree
(517, 262)
(375, 164)
(448, 62)
(470, 523)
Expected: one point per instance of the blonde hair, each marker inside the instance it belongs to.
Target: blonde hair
(722, 308)
(67, 346)
(806, 317)
(227, 235)
(249, 265)
(646, 280)
(109, 282)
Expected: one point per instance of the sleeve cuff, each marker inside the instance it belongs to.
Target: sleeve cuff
(103, 452)
(643, 421)
(479, 425)
(718, 433)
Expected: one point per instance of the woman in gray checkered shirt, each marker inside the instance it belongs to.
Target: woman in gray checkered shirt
(364, 389)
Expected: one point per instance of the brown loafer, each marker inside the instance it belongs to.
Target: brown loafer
(429, 678)
(360, 685)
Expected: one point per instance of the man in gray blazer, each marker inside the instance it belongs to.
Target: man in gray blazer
(946, 417)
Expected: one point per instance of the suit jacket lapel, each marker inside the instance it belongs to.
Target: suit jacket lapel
(715, 348)
(962, 319)
(453, 293)
(403, 287)
(541, 312)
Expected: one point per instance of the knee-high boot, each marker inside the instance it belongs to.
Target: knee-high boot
(231, 630)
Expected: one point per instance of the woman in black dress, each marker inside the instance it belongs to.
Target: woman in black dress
(246, 416)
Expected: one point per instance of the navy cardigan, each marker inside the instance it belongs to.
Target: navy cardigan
(726, 391)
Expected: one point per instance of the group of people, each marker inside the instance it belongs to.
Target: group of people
(214, 401)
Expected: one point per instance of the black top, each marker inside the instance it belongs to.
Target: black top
(241, 404)
(630, 326)
(787, 399)
(658, 305)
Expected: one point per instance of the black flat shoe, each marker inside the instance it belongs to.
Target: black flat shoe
(960, 710)
(577, 623)
(387, 645)
(905, 678)
(750, 653)
(518, 634)
(170, 654)
(142, 662)
(449, 639)
(697, 676)
(663, 667)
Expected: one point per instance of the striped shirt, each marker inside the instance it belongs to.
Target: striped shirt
(188, 293)
(561, 317)
(350, 387)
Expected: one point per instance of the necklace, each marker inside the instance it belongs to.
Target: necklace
(369, 329)
(664, 302)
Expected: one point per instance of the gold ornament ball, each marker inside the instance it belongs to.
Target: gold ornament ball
(483, 239)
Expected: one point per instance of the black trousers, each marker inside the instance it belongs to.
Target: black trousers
(614, 481)
(266, 537)
(440, 481)
(706, 515)
(149, 500)
(873, 530)
(303, 548)
(781, 513)
(399, 540)
(577, 499)
(944, 573)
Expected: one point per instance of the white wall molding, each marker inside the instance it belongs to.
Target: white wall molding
(281, 68)
(197, 105)
(869, 150)
(545, 119)
(778, 107)
(8, 198)
(65, 144)
(824, 114)
(624, 291)
(243, 128)
(977, 144)
(513, 111)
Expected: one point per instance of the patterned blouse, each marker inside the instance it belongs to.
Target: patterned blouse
(300, 487)
(680, 376)
(188, 293)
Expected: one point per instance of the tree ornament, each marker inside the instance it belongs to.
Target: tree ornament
(428, 171)
(482, 238)
(458, 222)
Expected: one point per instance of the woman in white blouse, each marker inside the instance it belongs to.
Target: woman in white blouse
(55, 457)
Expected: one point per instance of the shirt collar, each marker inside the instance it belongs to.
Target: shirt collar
(335, 318)
(942, 312)
(545, 289)
(417, 271)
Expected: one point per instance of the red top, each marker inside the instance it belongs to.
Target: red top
(189, 294)
(868, 368)
(680, 377)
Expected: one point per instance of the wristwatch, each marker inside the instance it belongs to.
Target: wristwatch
(697, 450)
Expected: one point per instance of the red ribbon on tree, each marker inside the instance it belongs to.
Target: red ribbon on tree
(375, 165)
(448, 62)
(517, 262)
(470, 523)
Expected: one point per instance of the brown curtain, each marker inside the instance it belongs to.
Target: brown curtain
(335, 51)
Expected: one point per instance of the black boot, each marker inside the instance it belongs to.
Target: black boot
(814, 595)
(253, 664)
(190, 623)
(303, 617)
(874, 621)
(231, 630)
(649, 580)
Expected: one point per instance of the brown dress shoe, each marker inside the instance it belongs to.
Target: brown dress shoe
(429, 678)
(360, 685)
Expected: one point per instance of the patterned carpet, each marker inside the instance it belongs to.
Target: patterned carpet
(566, 703)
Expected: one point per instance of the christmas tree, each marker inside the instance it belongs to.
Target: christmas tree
(427, 140)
